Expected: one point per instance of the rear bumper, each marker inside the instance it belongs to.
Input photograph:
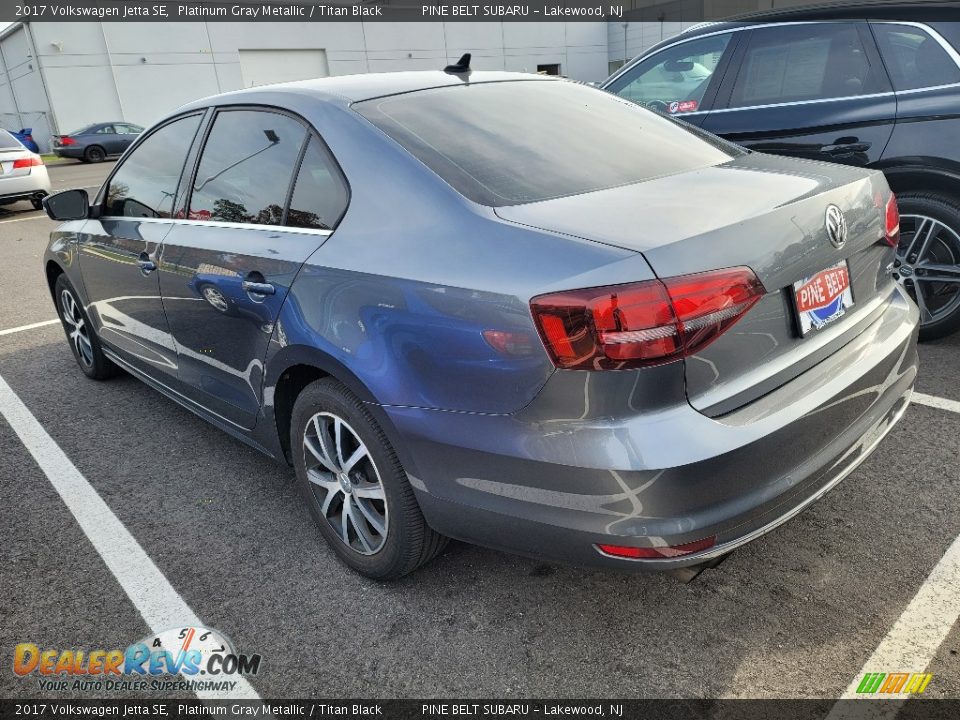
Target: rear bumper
(556, 488)
(37, 182)
(70, 151)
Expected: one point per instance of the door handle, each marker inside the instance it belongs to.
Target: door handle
(845, 148)
(146, 265)
(258, 288)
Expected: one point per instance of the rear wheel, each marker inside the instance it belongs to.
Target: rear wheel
(355, 486)
(928, 260)
(80, 334)
(95, 154)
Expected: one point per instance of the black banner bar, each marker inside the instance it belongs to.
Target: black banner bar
(664, 11)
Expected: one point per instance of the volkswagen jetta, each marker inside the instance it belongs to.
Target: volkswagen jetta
(509, 309)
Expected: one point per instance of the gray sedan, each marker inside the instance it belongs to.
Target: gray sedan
(96, 142)
(503, 308)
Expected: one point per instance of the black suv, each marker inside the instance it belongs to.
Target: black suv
(876, 85)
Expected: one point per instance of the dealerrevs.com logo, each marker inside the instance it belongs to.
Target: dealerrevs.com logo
(205, 659)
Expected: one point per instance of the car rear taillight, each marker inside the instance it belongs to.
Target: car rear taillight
(641, 324)
(26, 162)
(67, 140)
(892, 222)
(658, 553)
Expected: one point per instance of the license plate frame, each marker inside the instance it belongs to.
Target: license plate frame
(822, 298)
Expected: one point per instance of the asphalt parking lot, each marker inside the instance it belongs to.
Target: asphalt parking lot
(795, 614)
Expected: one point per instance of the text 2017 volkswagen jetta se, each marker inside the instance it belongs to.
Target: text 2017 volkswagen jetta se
(504, 308)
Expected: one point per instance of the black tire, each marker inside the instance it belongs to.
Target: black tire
(94, 154)
(37, 202)
(408, 542)
(91, 359)
(946, 250)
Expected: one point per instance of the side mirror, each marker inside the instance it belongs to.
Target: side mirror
(67, 205)
(678, 65)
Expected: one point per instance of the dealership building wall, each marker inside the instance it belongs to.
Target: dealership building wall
(56, 77)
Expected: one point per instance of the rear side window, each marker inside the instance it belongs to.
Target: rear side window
(794, 63)
(246, 167)
(676, 79)
(9, 142)
(145, 184)
(507, 143)
(319, 195)
(913, 58)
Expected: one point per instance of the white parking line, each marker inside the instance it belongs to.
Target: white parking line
(936, 402)
(32, 326)
(24, 219)
(914, 639)
(150, 592)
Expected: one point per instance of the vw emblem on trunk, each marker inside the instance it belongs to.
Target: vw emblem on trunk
(836, 226)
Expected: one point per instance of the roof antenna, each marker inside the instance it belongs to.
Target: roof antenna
(461, 66)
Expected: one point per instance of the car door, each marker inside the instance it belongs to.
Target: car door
(808, 90)
(228, 265)
(126, 134)
(681, 79)
(119, 249)
(107, 138)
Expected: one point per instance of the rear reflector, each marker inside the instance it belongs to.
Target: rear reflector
(31, 161)
(641, 324)
(509, 343)
(655, 553)
(892, 221)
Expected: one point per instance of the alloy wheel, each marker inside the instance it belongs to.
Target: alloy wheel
(346, 483)
(928, 265)
(77, 331)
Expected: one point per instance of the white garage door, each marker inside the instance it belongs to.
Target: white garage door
(263, 67)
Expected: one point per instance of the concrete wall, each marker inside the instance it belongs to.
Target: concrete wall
(140, 71)
(23, 102)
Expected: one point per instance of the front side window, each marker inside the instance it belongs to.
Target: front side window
(506, 143)
(319, 196)
(794, 63)
(145, 184)
(105, 130)
(676, 79)
(914, 58)
(246, 167)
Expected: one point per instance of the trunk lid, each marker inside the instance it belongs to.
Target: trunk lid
(760, 211)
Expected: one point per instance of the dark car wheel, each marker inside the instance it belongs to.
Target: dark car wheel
(94, 154)
(37, 202)
(355, 486)
(929, 260)
(80, 334)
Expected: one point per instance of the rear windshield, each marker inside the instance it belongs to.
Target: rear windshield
(9, 142)
(84, 130)
(517, 142)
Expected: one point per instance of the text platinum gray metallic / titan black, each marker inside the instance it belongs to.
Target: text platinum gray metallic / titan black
(508, 309)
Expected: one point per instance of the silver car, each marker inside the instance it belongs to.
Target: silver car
(23, 176)
(503, 308)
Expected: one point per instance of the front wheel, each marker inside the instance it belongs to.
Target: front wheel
(355, 486)
(80, 334)
(928, 260)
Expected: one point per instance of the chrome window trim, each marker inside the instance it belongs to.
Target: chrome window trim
(951, 51)
(221, 224)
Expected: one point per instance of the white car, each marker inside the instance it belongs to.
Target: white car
(23, 176)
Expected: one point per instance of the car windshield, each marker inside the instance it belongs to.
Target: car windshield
(9, 142)
(85, 129)
(516, 142)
